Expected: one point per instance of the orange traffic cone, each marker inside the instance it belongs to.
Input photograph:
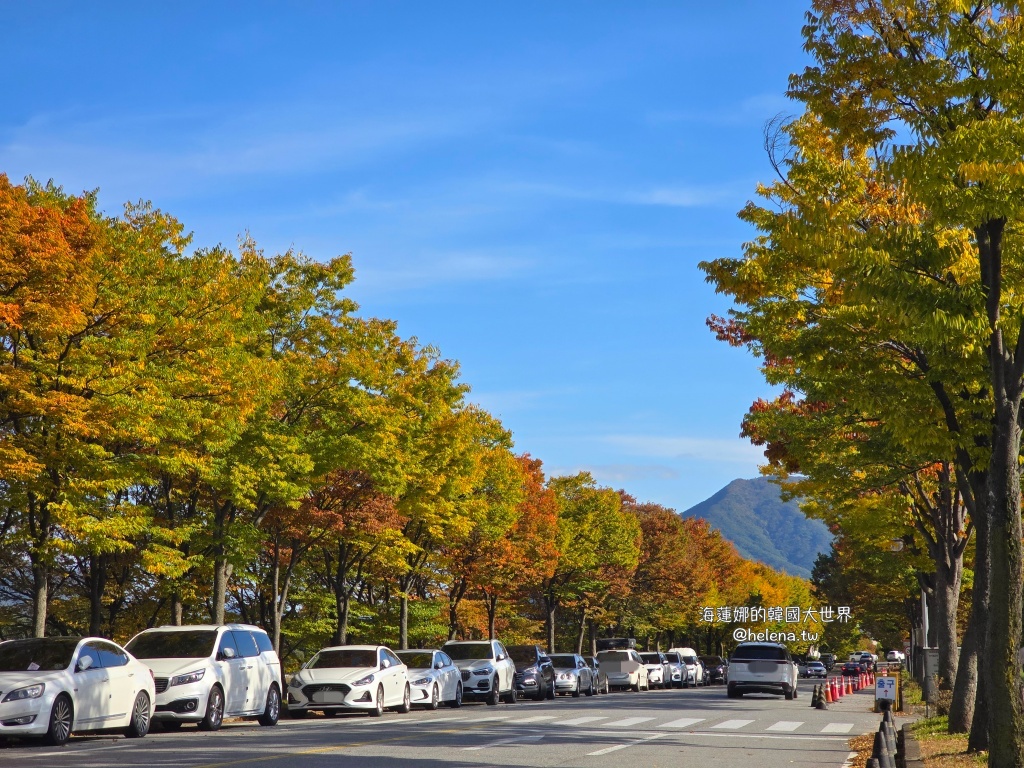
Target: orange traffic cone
(828, 693)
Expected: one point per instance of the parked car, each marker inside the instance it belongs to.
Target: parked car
(868, 660)
(714, 668)
(677, 669)
(625, 669)
(207, 672)
(535, 675)
(55, 686)
(694, 670)
(602, 678)
(814, 669)
(829, 660)
(659, 671)
(762, 668)
(852, 669)
(487, 671)
(895, 657)
(433, 678)
(573, 675)
(615, 643)
(369, 678)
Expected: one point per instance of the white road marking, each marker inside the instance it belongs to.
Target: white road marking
(487, 719)
(626, 723)
(617, 747)
(784, 725)
(515, 741)
(732, 724)
(837, 728)
(782, 737)
(849, 760)
(534, 719)
(683, 723)
(580, 720)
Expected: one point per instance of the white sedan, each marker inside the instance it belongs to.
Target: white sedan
(55, 686)
(433, 678)
(370, 678)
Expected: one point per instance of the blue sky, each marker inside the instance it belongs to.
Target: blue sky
(527, 186)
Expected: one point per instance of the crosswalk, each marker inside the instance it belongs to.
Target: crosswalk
(650, 724)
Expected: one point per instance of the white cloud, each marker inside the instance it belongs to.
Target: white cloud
(618, 473)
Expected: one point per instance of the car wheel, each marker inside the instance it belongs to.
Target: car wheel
(550, 695)
(495, 695)
(457, 701)
(576, 691)
(298, 714)
(435, 698)
(591, 690)
(272, 709)
(512, 696)
(636, 688)
(62, 717)
(378, 708)
(214, 717)
(406, 704)
(138, 724)
(789, 695)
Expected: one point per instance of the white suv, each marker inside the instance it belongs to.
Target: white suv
(487, 671)
(762, 668)
(205, 673)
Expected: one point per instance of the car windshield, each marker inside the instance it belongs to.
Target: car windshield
(563, 661)
(757, 652)
(712, 661)
(651, 658)
(674, 658)
(45, 654)
(469, 651)
(613, 656)
(344, 657)
(689, 659)
(416, 659)
(816, 664)
(523, 654)
(186, 644)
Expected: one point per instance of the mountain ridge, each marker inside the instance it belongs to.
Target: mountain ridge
(752, 515)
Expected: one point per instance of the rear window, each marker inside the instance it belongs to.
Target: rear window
(614, 656)
(651, 658)
(674, 658)
(758, 652)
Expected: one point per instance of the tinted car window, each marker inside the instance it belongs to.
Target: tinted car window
(614, 656)
(524, 654)
(46, 654)
(391, 657)
(344, 658)
(416, 659)
(563, 660)
(467, 651)
(263, 641)
(111, 655)
(673, 657)
(91, 651)
(186, 644)
(227, 641)
(756, 652)
(651, 658)
(245, 644)
(446, 659)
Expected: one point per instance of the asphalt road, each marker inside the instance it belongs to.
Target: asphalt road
(691, 727)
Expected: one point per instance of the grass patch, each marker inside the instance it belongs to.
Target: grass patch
(944, 750)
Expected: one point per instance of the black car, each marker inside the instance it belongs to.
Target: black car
(852, 669)
(828, 659)
(535, 676)
(714, 668)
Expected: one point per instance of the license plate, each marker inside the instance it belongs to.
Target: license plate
(329, 697)
(762, 667)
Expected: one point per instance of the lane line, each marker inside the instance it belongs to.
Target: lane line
(683, 723)
(617, 747)
(580, 720)
(534, 719)
(837, 728)
(784, 725)
(515, 741)
(781, 737)
(626, 723)
(732, 724)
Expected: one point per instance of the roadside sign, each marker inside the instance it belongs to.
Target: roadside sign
(885, 688)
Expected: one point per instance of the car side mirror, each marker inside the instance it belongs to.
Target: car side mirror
(500, 657)
(83, 664)
(385, 664)
(439, 665)
(227, 653)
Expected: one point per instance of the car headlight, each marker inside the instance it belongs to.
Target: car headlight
(422, 681)
(364, 680)
(28, 692)
(296, 682)
(484, 671)
(189, 677)
(565, 676)
(531, 671)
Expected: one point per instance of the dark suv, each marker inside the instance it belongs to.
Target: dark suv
(535, 676)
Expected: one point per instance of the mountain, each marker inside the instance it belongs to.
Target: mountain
(752, 515)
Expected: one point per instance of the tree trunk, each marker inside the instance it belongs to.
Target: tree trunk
(491, 601)
(221, 573)
(177, 609)
(40, 595)
(977, 740)
(550, 603)
(581, 630)
(593, 638)
(965, 687)
(97, 585)
(948, 578)
(403, 622)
